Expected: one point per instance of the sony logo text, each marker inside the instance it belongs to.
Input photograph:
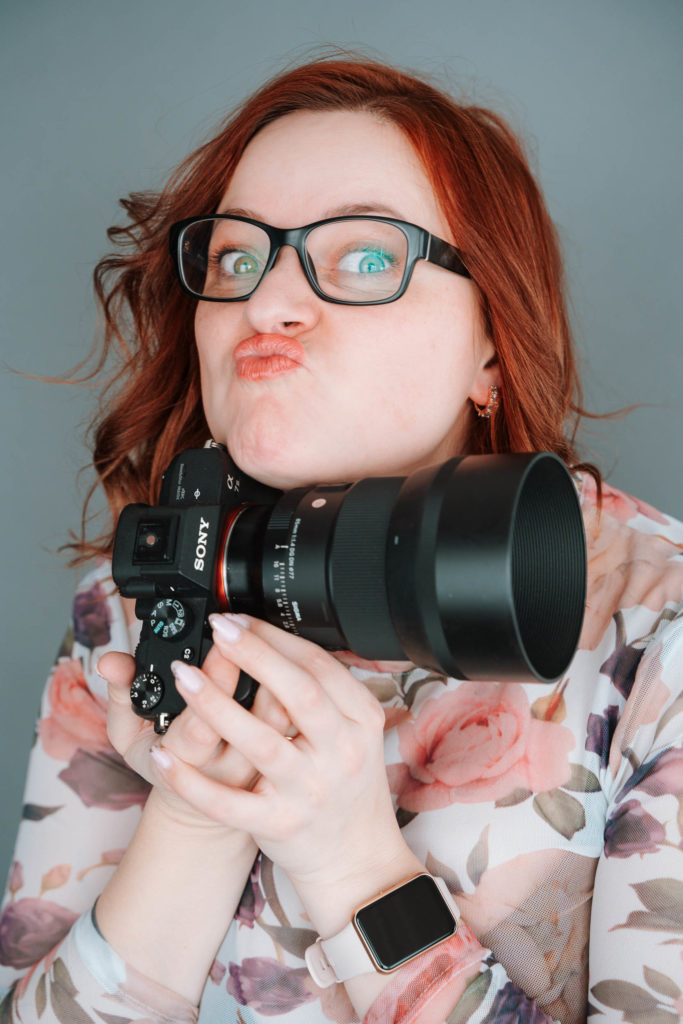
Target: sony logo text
(200, 550)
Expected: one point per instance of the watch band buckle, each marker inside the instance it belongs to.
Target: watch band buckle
(319, 966)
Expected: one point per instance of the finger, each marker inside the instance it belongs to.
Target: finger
(312, 686)
(124, 727)
(223, 672)
(266, 748)
(118, 669)
(226, 673)
(236, 807)
(191, 737)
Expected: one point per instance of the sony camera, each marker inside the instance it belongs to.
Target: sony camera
(473, 568)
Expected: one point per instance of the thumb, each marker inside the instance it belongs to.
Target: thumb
(119, 671)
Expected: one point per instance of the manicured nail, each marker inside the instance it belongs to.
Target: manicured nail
(161, 758)
(188, 677)
(228, 627)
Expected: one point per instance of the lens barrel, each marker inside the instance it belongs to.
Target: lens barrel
(475, 568)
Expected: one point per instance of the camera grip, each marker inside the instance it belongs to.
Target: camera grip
(245, 691)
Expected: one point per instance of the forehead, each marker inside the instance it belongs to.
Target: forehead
(310, 165)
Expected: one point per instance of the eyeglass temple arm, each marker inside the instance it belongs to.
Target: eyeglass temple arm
(443, 254)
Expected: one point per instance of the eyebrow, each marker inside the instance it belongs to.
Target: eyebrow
(346, 210)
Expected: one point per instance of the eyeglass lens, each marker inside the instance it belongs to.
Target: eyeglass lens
(352, 260)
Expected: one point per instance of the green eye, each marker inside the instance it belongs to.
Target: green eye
(366, 261)
(238, 263)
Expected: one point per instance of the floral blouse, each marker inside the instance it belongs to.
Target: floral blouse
(554, 813)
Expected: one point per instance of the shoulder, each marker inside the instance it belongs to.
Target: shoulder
(634, 627)
(635, 563)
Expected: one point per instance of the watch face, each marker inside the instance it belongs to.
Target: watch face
(405, 922)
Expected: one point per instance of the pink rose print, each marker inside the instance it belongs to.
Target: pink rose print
(475, 744)
(77, 718)
(616, 503)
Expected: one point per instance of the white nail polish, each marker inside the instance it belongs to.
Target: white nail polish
(161, 757)
(227, 627)
(188, 679)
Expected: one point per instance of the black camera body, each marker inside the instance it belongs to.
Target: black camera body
(165, 557)
(474, 568)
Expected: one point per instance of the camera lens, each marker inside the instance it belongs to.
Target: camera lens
(475, 568)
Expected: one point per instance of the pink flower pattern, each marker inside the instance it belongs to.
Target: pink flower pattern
(513, 792)
(477, 744)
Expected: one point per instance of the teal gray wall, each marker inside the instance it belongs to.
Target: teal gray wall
(99, 99)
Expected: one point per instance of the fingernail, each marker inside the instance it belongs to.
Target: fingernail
(187, 676)
(228, 627)
(161, 758)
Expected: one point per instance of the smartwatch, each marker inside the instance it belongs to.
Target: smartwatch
(386, 932)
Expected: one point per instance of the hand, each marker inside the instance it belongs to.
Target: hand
(321, 806)
(188, 737)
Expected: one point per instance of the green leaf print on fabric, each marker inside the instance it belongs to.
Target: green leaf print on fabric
(563, 812)
(478, 860)
(471, 999)
(582, 780)
(292, 940)
(34, 812)
(661, 983)
(517, 796)
(63, 997)
(441, 870)
(637, 1005)
(663, 900)
(41, 995)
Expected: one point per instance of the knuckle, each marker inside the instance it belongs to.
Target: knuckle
(199, 732)
(351, 757)
(319, 663)
(375, 717)
(269, 746)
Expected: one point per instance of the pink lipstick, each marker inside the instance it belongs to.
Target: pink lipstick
(268, 355)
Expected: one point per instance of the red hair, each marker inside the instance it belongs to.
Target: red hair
(490, 200)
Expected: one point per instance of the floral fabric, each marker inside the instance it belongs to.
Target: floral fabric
(554, 812)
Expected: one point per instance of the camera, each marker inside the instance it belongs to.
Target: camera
(473, 568)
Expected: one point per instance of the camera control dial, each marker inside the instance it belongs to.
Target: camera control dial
(146, 691)
(170, 619)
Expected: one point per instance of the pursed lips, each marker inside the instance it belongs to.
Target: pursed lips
(268, 355)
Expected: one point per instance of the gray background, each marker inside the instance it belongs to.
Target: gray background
(99, 99)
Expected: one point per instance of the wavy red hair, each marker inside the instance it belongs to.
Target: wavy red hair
(490, 200)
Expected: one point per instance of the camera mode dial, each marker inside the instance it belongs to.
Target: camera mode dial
(146, 691)
(170, 619)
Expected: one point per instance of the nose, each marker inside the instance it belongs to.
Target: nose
(284, 301)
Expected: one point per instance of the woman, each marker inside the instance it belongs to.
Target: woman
(548, 810)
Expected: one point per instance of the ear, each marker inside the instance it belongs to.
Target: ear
(487, 374)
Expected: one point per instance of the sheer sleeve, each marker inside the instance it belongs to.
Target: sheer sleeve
(601, 930)
(82, 805)
(636, 928)
(637, 915)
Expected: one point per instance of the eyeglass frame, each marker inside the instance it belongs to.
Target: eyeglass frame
(422, 245)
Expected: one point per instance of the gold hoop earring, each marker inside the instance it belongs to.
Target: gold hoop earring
(486, 411)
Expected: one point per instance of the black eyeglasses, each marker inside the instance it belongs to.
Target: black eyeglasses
(354, 261)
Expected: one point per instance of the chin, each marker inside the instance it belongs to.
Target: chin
(273, 466)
